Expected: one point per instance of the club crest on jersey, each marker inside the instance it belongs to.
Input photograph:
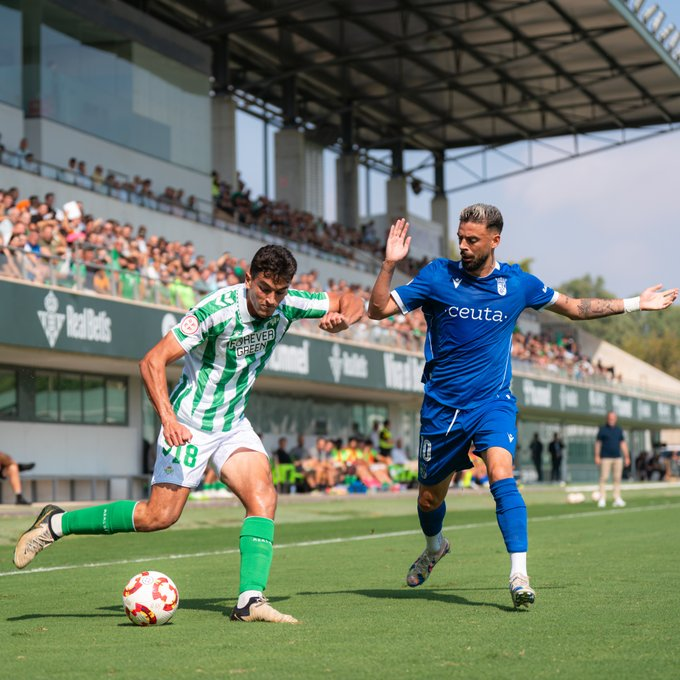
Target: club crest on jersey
(500, 284)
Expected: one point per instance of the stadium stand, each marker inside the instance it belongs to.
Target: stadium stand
(69, 248)
(75, 250)
(230, 205)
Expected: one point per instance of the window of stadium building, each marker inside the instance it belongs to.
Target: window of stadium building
(102, 83)
(41, 395)
(310, 415)
(8, 393)
(10, 52)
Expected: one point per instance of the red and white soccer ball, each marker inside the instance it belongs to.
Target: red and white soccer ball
(150, 598)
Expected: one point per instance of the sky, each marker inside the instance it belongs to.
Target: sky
(614, 214)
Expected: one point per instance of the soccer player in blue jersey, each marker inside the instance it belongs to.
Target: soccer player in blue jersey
(471, 307)
(225, 340)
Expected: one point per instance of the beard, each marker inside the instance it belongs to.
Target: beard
(475, 264)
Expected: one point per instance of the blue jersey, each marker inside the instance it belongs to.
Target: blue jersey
(470, 321)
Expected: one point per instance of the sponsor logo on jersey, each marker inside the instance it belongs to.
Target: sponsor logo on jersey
(457, 282)
(476, 314)
(87, 324)
(251, 343)
(510, 438)
(189, 324)
(501, 285)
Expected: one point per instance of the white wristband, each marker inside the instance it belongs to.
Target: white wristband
(631, 304)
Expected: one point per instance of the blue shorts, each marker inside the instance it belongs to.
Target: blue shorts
(447, 433)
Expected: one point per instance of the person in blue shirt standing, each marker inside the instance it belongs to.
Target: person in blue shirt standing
(471, 307)
(609, 445)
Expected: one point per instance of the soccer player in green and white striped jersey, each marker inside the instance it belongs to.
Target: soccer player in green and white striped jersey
(226, 340)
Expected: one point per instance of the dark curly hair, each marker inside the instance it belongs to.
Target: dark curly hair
(274, 261)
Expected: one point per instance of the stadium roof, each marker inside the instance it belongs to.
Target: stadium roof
(442, 74)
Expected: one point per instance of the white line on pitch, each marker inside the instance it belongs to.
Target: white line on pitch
(329, 541)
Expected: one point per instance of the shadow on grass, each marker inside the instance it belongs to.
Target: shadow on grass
(217, 605)
(431, 595)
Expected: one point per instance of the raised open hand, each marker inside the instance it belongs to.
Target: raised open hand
(398, 241)
(655, 298)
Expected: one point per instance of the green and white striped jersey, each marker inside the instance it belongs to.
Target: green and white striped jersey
(227, 348)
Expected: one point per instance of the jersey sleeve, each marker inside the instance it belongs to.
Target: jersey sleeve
(538, 295)
(190, 331)
(301, 304)
(417, 291)
(198, 323)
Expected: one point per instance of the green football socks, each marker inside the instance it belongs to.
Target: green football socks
(112, 518)
(257, 549)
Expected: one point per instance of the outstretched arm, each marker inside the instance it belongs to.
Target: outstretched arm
(381, 303)
(343, 311)
(651, 299)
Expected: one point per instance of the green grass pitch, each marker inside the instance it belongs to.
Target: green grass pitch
(606, 581)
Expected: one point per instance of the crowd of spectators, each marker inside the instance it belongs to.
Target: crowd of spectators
(662, 464)
(229, 204)
(65, 246)
(559, 355)
(278, 218)
(137, 190)
(361, 463)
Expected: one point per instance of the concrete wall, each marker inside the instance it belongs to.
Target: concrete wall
(289, 159)
(314, 179)
(11, 126)
(55, 143)
(427, 237)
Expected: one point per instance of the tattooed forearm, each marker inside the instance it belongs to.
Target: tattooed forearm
(593, 308)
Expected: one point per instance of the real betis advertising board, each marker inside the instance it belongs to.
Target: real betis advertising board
(342, 364)
(44, 318)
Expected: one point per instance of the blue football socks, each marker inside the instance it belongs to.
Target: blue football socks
(511, 513)
(431, 524)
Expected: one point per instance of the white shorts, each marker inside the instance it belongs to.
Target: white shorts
(184, 465)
